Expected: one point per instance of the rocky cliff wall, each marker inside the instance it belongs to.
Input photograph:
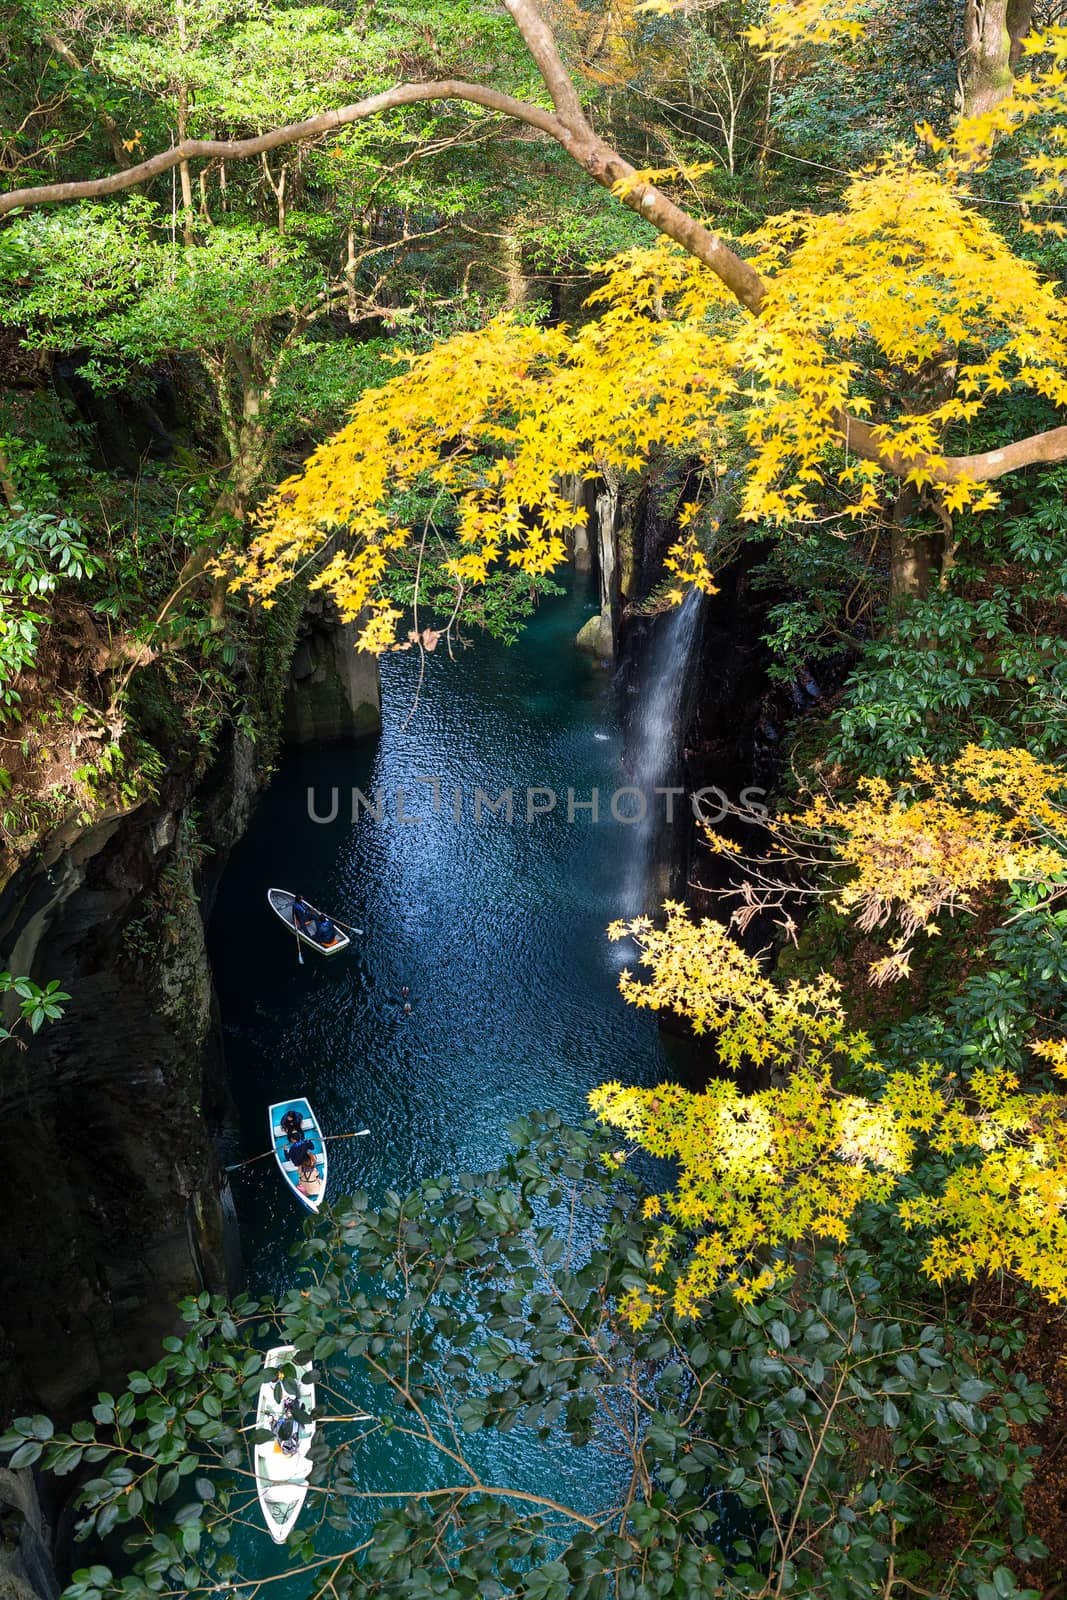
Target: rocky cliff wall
(334, 691)
(110, 1194)
(113, 1199)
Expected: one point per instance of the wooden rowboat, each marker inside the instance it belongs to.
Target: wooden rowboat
(281, 1478)
(280, 1142)
(281, 903)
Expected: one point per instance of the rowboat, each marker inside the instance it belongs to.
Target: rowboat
(281, 1478)
(280, 1141)
(281, 902)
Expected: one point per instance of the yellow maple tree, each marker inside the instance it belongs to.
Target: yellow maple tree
(837, 1128)
(494, 418)
(855, 345)
(938, 842)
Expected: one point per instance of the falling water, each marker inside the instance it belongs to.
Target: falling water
(655, 744)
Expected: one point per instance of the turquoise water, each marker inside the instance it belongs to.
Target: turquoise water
(496, 929)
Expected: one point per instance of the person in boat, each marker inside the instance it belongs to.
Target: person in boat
(292, 1125)
(286, 1430)
(327, 933)
(309, 1175)
(302, 917)
(302, 1154)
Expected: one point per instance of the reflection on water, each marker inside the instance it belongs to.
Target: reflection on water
(496, 929)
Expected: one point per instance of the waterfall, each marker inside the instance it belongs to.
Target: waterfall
(656, 730)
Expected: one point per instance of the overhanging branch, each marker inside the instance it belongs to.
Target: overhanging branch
(403, 94)
(1037, 449)
(567, 124)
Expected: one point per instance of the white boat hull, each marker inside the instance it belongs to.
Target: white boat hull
(281, 903)
(282, 1480)
(280, 1141)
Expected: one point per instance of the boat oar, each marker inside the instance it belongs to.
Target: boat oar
(361, 1134)
(249, 1162)
(347, 926)
(299, 955)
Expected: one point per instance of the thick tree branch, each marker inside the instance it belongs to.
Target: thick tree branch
(609, 169)
(568, 125)
(1038, 449)
(542, 46)
(403, 94)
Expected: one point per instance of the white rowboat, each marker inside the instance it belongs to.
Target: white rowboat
(281, 903)
(281, 1478)
(280, 1142)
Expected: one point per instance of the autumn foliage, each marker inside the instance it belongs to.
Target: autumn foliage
(977, 1162)
(885, 329)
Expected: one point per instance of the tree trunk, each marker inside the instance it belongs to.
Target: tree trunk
(183, 130)
(912, 554)
(511, 252)
(278, 190)
(1020, 21)
(768, 105)
(8, 485)
(186, 175)
(987, 45)
(104, 117)
(911, 565)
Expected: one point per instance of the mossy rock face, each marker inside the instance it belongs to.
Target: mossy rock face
(334, 689)
(595, 638)
(589, 635)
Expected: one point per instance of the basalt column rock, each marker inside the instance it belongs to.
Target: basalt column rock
(614, 538)
(579, 492)
(26, 1567)
(334, 691)
(110, 1194)
(607, 532)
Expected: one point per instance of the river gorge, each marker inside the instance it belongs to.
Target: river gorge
(496, 928)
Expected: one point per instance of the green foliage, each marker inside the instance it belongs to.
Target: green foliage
(853, 99)
(45, 448)
(37, 552)
(1015, 992)
(281, 64)
(320, 379)
(982, 661)
(817, 587)
(953, 670)
(559, 230)
(108, 277)
(36, 1006)
(809, 1439)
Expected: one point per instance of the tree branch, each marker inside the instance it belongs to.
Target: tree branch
(569, 127)
(542, 47)
(107, 121)
(1038, 448)
(403, 94)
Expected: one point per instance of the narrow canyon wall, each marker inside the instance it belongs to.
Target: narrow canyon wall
(334, 691)
(114, 1203)
(110, 1194)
